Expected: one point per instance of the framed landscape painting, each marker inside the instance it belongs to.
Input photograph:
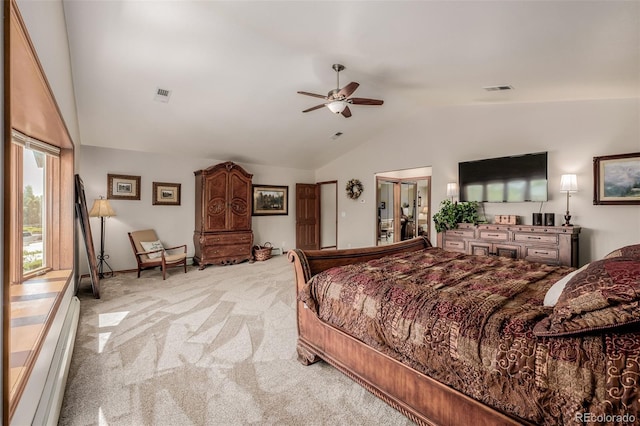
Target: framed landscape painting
(123, 187)
(270, 200)
(616, 179)
(166, 194)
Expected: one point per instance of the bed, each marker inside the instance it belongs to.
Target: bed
(449, 338)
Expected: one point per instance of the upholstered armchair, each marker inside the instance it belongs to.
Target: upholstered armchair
(150, 252)
(386, 228)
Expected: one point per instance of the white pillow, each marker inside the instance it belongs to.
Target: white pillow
(151, 246)
(551, 298)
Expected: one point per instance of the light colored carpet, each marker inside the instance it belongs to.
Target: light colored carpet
(211, 347)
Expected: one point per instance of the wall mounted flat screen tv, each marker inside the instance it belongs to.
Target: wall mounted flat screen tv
(512, 179)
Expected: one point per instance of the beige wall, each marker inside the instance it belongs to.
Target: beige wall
(174, 224)
(46, 24)
(572, 132)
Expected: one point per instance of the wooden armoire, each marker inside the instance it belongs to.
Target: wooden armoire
(223, 215)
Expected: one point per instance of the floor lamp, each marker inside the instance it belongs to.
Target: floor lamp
(102, 209)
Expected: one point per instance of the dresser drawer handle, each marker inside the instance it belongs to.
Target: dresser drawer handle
(493, 235)
(533, 238)
(457, 232)
(541, 252)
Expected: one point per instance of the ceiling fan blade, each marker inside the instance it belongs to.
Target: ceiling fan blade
(313, 94)
(365, 101)
(346, 112)
(314, 108)
(347, 90)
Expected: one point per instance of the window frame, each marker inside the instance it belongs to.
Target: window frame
(51, 181)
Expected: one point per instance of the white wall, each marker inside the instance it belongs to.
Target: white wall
(174, 224)
(572, 132)
(46, 25)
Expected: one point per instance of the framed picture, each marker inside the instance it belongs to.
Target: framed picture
(616, 179)
(166, 194)
(123, 187)
(270, 200)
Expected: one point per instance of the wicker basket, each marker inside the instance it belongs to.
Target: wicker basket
(263, 252)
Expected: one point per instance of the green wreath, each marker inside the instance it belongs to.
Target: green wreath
(354, 189)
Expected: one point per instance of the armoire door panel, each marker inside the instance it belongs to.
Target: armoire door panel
(216, 201)
(216, 215)
(239, 201)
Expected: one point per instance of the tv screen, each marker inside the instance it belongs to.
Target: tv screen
(512, 179)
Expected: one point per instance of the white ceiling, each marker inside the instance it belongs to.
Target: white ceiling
(234, 67)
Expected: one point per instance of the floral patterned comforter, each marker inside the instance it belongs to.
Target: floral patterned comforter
(467, 321)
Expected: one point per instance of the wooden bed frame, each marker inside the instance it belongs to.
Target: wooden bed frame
(419, 397)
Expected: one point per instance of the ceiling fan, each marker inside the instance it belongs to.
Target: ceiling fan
(338, 100)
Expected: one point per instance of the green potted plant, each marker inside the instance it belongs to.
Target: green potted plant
(451, 213)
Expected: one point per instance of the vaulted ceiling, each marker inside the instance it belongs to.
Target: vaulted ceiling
(233, 68)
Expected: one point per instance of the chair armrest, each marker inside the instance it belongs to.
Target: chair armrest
(184, 246)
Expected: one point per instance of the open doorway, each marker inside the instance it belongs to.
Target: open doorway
(328, 214)
(403, 205)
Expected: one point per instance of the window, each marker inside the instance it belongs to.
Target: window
(33, 208)
(37, 163)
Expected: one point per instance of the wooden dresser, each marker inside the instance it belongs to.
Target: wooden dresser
(554, 245)
(223, 215)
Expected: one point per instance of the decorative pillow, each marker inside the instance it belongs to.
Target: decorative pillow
(151, 246)
(551, 298)
(626, 251)
(604, 295)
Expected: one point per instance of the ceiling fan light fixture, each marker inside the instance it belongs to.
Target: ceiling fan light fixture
(337, 107)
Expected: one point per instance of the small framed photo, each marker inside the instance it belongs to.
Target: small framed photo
(270, 200)
(616, 179)
(123, 187)
(166, 194)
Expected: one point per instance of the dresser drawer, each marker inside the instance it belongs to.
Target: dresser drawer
(491, 235)
(455, 245)
(536, 238)
(542, 254)
(226, 251)
(461, 233)
(227, 238)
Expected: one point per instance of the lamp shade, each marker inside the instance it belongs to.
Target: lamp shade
(568, 183)
(452, 189)
(337, 107)
(101, 208)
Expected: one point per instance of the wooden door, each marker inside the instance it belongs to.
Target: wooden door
(307, 216)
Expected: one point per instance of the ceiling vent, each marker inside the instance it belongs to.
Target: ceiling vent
(498, 88)
(162, 95)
